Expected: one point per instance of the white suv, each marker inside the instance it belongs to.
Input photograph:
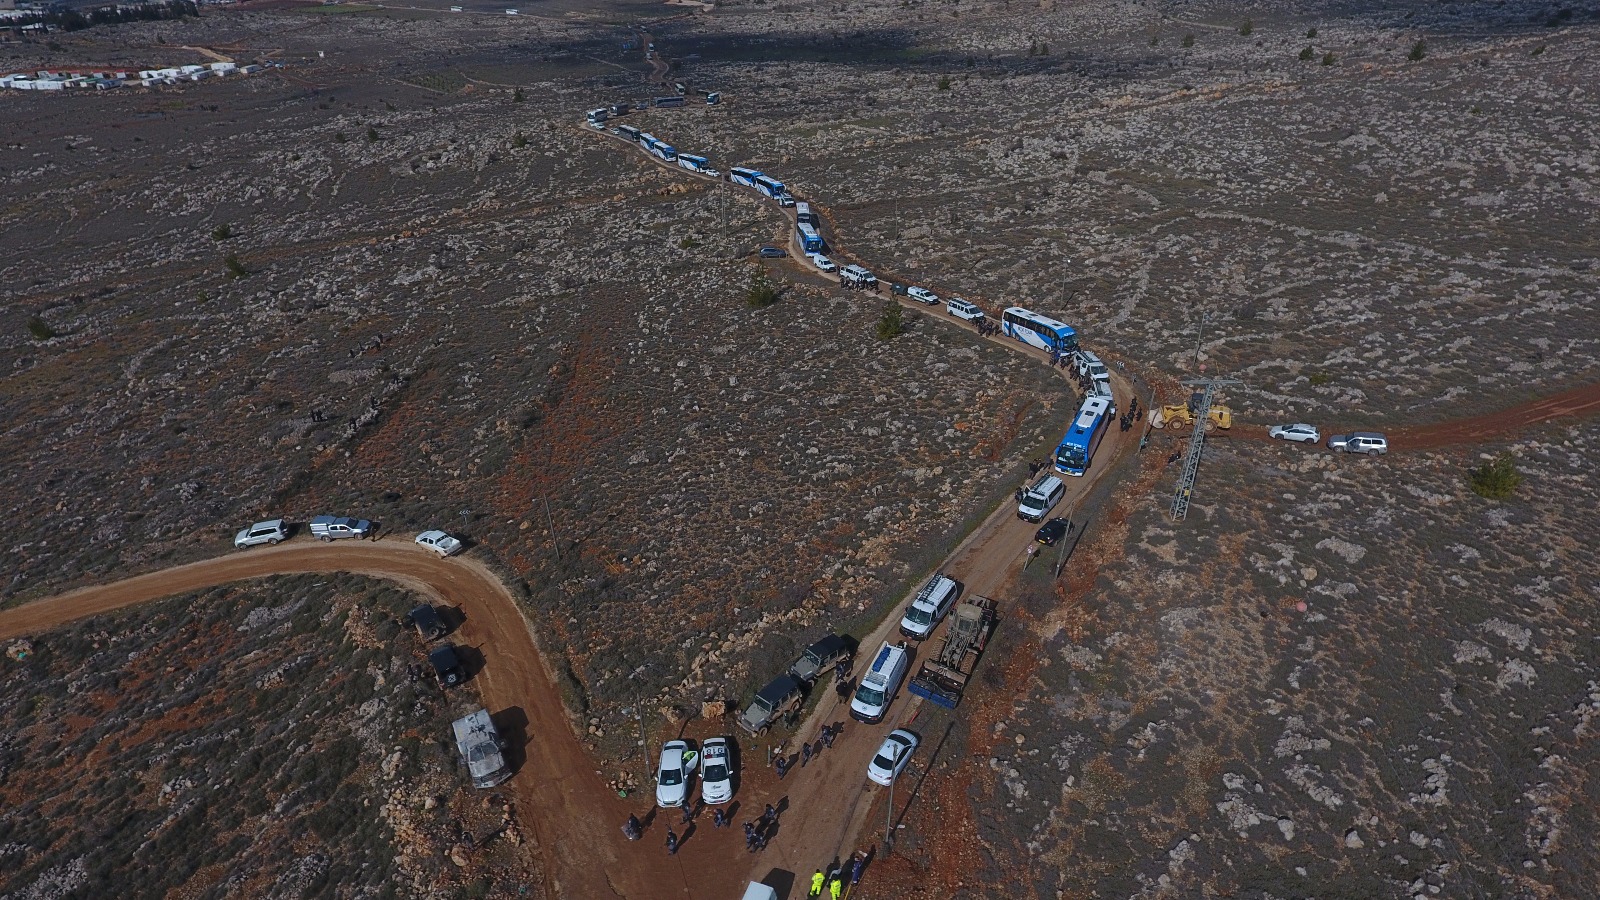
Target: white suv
(268, 532)
(961, 309)
(823, 263)
(1300, 433)
(1369, 442)
(923, 295)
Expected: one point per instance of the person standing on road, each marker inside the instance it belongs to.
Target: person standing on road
(835, 885)
(633, 828)
(672, 842)
(827, 736)
(817, 881)
(858, 863)
(718, 819)
(805, 754)
(782, 766)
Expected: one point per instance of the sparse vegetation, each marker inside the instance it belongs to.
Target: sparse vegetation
(944, 82)
(222, 232)
(892, 323)
(372, 134)
(1419, 51)
(1188, 40)
(519, 140)
(40, 329)
(1496, 479)
(761, 293)
(1306, 54)
(1329, 59)
(236, 269)
(1248, 28)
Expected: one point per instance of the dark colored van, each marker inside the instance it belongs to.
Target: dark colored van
(819, 657)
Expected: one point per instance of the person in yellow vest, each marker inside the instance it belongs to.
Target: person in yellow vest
(817, 882)
(835, 885)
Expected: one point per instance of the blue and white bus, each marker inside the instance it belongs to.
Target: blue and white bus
(1077, 448)
(664, 150)
(693, 163)
(768, 185)
(803, 214)
(628, 132)
(1040, 331)
(810, 241)
(746, 177)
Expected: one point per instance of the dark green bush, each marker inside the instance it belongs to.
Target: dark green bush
(1496, 479)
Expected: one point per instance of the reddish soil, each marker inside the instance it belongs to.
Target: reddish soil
(1573, 403)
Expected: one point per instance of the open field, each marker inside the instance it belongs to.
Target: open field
(397, 279)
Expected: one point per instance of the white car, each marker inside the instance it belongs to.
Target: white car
(672, 777)
(439, 542)
(892, 756)
(923, 295)
(823, 263)
(716, 776)
(1299, 433)
(268, 532)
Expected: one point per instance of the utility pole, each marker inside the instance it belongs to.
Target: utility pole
(888, 819)
(1199, 336)
(1061, 550)
(551, 524)
(1191, 462)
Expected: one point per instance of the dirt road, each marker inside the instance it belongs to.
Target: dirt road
(562, 801)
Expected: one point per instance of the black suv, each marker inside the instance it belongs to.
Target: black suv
(447, 666)
(779, 698)
(819, 657)
(1052, 531)
(428, 622)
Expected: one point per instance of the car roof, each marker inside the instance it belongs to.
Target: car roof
(267, 523)
(717, 746)
(1367, 434)
(444, 654)
(827, 644)
(778, 688)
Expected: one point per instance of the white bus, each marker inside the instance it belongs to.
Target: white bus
(695, 163)
(1040, 331)
(804, 216)
(597, 118)
(746, 177)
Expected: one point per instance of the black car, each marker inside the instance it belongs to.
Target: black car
(773, 252)
(898, 289)
(428, 622)
(1052, 531)
(819, 657)
(447, 665)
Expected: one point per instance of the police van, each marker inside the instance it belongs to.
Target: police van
(1038, 500)
(857, 277)
(879, 684)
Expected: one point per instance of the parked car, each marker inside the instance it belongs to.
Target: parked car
(332, 528)
(439, 542)
(716, 772)
(819, 657)
(447, 666)
(768, 252)
(780, 697)
(672, 776)
(923, 295)
(823, 263)
(892, 756)
(1052, 531)
(269, 532)
(898, 289)
(786, 200)
(428, 622)
(1299, 433)
(1369, 442)
(961, 309)
(480, 745)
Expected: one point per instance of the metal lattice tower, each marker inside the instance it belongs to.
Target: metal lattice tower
(1191, 462)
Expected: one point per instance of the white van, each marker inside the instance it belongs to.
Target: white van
(1038, 500)
(879, 684)
(961, 309)
(928, 607)
(1090, 366)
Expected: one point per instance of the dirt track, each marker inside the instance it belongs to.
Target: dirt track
(562, 801)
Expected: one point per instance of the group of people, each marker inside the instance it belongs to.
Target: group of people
(851, 284)
(832, 884)
(808, 749)
(987, 328)
(1131, 416)
(757, 833)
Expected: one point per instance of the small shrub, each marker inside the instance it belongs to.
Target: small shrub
(517, 96)
(40, 329)
(1248, 28)
(222, 232)
(1476, 110)
(340, 138)
(1539, 50)
(1306, 54)
(893, 323)
(1320, 378)
(519, 140)
(1329, 59)
(1188, 40)
(944, 82)
(235, 268)
(372, 135)
(1418, 51)
(1155, 42)
(762, 293)
(1311, 32)
(1496, 479)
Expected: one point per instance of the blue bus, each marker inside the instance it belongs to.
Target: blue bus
(746, 177)
(1040, 331)
(804, 215)
(810, 241)
(1077, 448)
(664, 150)
(768, 185)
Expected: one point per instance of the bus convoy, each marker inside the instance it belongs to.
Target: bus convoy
(1089, 427)
(1055, 337)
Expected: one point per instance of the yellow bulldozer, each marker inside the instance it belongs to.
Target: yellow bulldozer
(1181, 416)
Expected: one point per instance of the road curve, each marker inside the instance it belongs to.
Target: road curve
(562, 800)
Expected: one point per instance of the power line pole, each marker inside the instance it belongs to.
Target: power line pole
(1191, 462)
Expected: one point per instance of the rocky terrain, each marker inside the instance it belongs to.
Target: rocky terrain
(267, 740)
(397, 278)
